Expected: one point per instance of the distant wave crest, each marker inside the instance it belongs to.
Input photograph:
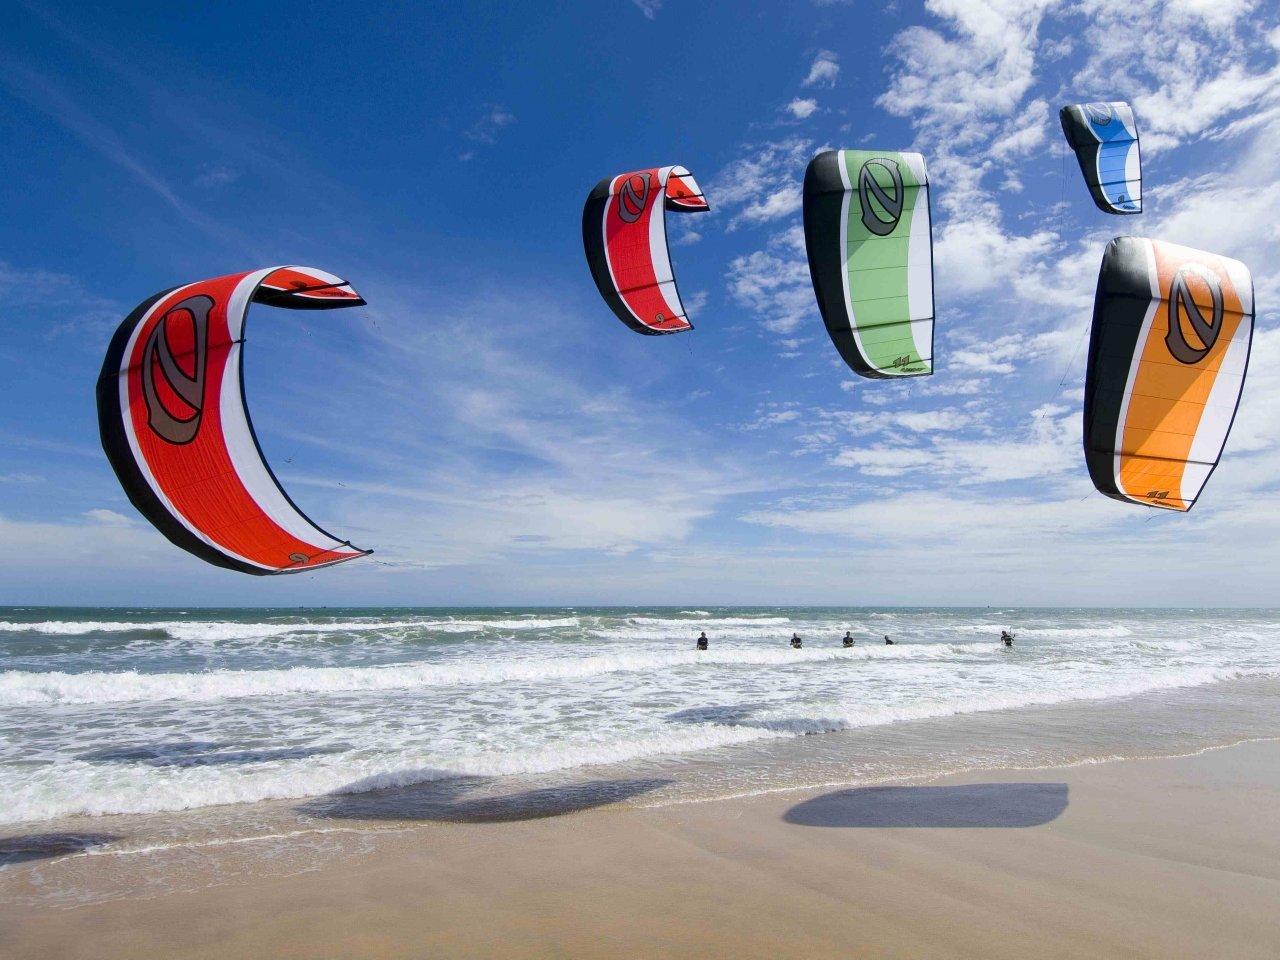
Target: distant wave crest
(213, 630)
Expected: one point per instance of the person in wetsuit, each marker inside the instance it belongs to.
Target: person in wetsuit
(848, 639)
(887, 641)
(795, 641)
(1007, 637)
(702, 640)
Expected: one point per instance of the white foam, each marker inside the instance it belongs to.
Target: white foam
(28, 688)
(1069, 633)
(148, 790)
(1127, 686)
(710, 621)
(213, 630)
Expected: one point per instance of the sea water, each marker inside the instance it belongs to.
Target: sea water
(116, 711)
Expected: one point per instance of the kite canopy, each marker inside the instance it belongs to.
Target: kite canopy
(1170, 344)
(1105, 139)
(869, 238)
(175, 426)
(624, 232)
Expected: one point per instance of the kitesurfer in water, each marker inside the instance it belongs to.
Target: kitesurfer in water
(887, 641)
(848, 639)
(702, 640)
(1007, 637)
(795, 641)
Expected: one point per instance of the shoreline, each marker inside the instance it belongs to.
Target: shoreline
(738, 756)
(1167, 857)
(1050, 735)
(927, 778)
(374, 797)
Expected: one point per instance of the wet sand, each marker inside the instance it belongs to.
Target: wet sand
(1163, 858)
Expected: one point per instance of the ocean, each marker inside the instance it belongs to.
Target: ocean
(142, 711)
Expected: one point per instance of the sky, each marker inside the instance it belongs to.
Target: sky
(490, 428)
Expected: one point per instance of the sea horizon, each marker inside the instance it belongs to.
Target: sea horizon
(632, 606)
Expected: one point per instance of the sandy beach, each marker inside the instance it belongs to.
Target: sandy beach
(1161, 858)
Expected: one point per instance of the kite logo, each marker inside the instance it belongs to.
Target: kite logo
(298, 557)
(180, 381)
(1182, 305)
(633, 196)
(1100, 113)
(869, 189)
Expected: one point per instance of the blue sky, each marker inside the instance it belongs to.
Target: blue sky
(490, 428)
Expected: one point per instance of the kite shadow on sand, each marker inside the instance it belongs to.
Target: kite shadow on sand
(447, 800)
(972, 805)
(46, 846)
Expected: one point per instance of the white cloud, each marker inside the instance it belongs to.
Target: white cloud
(764, 184)
(684, 236)
(774, 415)
(823, 71)
(802, 107)
(99, 545)
(883, 461)
(932, 421)
(649, 8)
(973, 256)
(1024, 137)
(695, 301)
(980, 67)
(942, 385)
(1251, 194)
(107, 517)
(897, 420)
(79, 311)
(1186, 65)
(217, 176)
(958, 445)
(978, 526)
(773, 206)
(996, 354)
(486, 129)
(776, 286)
